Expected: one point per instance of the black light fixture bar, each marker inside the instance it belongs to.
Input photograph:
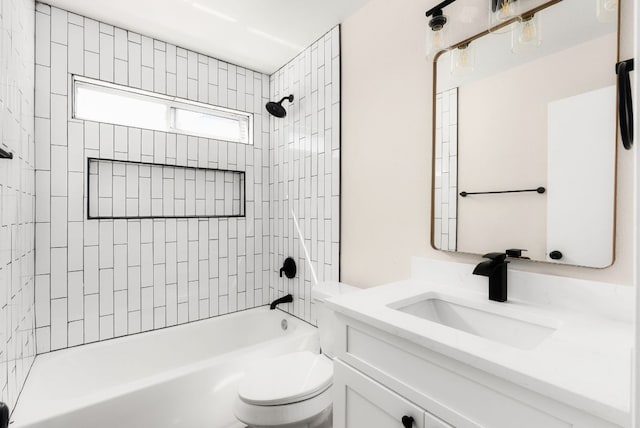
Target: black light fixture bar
(539, 190)
(5, 154)
(433, 11)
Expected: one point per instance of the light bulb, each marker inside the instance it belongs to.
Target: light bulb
(528, 32)
(526, 35)
(607, 10)
(500, 12)
(462, 60)
(436, 40)
(507, 9)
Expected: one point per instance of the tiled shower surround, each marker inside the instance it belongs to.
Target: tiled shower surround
(305, 171)
(17, 199)
(99, 279)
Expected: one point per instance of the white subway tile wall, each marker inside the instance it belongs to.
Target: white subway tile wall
(98, 279)
(445, 223)
(305, 172)
(17, 196)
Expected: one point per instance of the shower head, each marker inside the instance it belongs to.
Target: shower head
(276, 109)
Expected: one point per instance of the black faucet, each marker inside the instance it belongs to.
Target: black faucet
(496, 269)
(286, 299)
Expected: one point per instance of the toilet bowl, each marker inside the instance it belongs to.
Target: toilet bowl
(294, 390)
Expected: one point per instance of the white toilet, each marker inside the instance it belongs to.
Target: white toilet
(294, 390)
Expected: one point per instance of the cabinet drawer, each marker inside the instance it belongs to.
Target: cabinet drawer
(362, 402)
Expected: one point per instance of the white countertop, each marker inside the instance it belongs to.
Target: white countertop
(585, 363)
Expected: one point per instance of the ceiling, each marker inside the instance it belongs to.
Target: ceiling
(262, 35)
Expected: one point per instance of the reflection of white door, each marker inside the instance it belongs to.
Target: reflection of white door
(581, 178)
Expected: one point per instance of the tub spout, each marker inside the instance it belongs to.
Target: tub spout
(286, 299)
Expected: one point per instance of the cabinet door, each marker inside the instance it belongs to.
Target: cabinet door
(362, 402)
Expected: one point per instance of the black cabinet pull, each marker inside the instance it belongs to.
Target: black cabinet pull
(555, 255)
(407, 421)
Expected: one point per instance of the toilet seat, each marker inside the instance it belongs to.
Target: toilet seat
(290, 390)
(286, 415)
(290, 378)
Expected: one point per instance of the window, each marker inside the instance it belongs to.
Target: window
(120, 105)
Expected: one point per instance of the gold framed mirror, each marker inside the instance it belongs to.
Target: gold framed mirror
(525, 137)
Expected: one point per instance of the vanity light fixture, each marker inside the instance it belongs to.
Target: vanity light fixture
(437, 39)
(607, 10)
(463, 59)
(526, 34)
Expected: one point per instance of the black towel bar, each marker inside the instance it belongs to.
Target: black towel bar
(540, 190)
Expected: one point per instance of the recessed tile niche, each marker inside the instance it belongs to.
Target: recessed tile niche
(136, 190)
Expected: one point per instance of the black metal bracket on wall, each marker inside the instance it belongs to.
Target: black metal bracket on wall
(625, 102)
(5, 154)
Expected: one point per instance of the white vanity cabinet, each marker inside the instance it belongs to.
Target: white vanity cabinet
(359, 402)
(381, 377)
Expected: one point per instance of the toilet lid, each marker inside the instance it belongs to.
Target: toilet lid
(287, 379)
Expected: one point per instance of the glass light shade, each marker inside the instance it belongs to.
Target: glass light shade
(436, 41)
(526, 35)
(607, 10)
(463, 60)
(506, 10)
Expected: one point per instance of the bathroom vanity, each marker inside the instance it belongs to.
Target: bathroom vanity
(434, 352)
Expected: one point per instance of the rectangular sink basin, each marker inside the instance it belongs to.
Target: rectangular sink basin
(517, 330)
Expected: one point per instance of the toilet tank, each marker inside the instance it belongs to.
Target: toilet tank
(326, 318)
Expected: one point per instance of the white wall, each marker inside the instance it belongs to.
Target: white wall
(98, 279)
(386, 182)
(305, 166)
(17, 200)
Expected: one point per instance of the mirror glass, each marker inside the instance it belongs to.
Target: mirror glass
(525, 137)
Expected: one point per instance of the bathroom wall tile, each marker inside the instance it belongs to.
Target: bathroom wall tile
(43, 39)
(76, 333)
(58, 324)
(304, 166)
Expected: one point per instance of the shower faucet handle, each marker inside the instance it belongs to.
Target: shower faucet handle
(289, 268)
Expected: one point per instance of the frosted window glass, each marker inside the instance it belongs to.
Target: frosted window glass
(218, 127)
(108, 103)
(117, 107)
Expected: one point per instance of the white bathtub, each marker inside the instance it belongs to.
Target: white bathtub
(182, 376)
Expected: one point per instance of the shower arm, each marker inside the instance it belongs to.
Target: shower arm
(288, 97)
